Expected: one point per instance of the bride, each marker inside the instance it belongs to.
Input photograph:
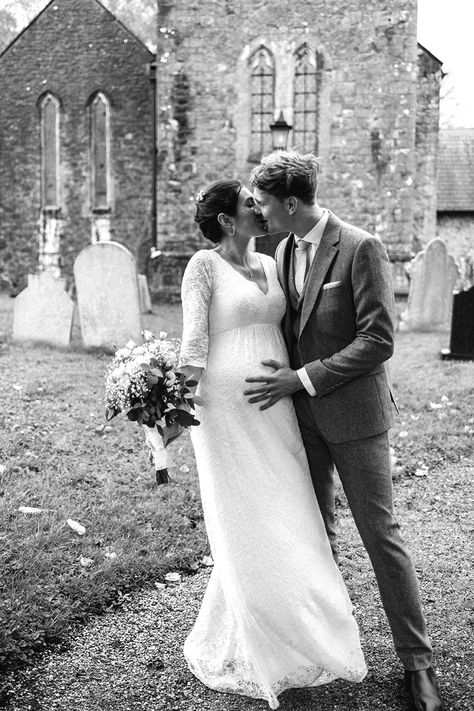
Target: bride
(276, 613)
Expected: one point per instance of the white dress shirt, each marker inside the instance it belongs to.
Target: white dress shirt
(314, 238)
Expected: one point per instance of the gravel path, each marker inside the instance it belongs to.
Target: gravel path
(130, 659)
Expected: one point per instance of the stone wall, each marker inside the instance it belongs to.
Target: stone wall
(367, 105)
(429, 76)
(73, 49)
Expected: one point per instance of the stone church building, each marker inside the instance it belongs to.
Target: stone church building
(77, 124)
(348, 77)
(76, 137)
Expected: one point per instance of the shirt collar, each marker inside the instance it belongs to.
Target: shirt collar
(316, 232)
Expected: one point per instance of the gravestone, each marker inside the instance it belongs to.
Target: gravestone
(461, 346)
(144, 293)
(107, 295)
(433, 274)
(43, 311)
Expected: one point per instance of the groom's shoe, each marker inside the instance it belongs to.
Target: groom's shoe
(423, 690)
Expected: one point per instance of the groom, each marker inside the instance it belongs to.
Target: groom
(339, 332)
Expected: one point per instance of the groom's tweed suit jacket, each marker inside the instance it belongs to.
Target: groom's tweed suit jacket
(343, 333)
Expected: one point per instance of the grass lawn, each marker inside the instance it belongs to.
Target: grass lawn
(56, 455)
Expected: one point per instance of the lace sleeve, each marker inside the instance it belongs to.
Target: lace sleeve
(196, 290)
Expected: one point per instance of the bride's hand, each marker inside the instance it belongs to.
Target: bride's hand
(193, 374)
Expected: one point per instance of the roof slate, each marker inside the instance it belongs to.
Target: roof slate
(455, 188)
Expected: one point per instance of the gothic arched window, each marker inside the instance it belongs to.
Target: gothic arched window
(262, 77)
(305, 99)
(49, 122)
(100, 149)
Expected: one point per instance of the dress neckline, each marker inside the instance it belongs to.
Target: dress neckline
(251, 281)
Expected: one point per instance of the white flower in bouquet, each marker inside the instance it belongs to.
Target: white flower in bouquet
(132, 368)
(144, 359)
(122, 353)
(139, 350)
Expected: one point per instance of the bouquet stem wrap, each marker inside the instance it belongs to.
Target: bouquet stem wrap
(157, 447)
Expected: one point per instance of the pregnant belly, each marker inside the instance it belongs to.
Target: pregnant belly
(234, 355)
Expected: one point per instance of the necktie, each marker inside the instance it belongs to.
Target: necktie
(302, 260)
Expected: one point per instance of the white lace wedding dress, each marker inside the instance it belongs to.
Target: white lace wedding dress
(276, 613)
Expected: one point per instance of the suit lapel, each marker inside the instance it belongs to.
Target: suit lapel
(323, 259)
(283, 255)
(283, 266)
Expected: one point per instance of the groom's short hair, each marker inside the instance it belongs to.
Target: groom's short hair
(288, 173)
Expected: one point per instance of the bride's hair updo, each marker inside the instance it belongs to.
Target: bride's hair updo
(219, 197)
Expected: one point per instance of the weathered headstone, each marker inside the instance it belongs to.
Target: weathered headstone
(107, 294)
(461, 346)
(433, 275)
(144, 292)
(43, 311)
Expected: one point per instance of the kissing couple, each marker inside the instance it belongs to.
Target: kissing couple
(289, 358)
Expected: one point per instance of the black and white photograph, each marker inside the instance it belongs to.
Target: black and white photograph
(236, 355)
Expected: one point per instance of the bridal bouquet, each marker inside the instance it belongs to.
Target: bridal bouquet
(142, 381)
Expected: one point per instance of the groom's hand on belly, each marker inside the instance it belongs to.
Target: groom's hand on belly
(282, 383)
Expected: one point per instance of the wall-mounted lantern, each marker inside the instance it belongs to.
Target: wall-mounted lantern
(280, 131)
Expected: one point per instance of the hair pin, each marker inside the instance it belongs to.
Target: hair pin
(200, 196)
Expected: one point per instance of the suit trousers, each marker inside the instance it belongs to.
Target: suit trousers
(365, 473)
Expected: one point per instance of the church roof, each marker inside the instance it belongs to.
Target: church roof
(98, 3)
(426, 51)
(455, 189)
